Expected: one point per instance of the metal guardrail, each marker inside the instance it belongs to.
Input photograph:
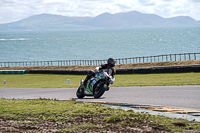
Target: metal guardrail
(144, 59)
(160, 58)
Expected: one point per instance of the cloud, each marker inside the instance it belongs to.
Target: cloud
(147, 2)
(13, 10)
(54, 1)
(171, 8)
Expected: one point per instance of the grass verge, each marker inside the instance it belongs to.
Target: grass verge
(60, 81)
(42, 115)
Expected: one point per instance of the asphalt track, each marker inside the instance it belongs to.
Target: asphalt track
(187, 97)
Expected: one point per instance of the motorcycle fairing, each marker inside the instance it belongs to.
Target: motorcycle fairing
(92, 82)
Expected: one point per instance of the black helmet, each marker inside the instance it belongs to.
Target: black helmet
(111, 62)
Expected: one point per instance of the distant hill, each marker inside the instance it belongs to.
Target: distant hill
(132, 19)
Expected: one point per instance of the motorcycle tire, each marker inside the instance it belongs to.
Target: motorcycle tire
(80, 92)
(99, 91)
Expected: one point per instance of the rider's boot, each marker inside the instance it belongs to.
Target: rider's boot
(81, 82)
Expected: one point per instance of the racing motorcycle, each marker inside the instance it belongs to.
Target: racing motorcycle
(96, 86)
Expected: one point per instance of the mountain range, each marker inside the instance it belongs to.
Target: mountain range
(127, 20)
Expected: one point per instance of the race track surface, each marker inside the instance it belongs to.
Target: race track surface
(187, 97)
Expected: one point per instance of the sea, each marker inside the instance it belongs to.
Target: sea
(97, 44)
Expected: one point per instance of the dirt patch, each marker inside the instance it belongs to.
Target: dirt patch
(120, 66)
(76, 124)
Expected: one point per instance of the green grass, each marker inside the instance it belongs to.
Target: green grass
(39, 81)
(79, 117)
(60, 81)
(158, 79)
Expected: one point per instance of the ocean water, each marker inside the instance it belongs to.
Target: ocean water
(97, 44)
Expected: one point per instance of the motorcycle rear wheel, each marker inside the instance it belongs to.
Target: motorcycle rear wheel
(80, 92)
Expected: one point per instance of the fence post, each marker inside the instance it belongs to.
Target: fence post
(185, 56)
(189, 56)
(175, 57)
(170, 57)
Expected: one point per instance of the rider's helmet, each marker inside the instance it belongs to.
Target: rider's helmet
(111, 62)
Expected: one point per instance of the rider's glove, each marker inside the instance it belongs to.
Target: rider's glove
(96, 69)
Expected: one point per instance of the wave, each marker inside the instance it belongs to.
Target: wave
(15, 39)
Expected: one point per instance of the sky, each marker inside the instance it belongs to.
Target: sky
(14, 10)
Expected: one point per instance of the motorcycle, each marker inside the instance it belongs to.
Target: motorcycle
(96, 86)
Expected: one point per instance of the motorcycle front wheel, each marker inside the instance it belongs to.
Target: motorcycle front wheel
(99, 90)
(80, 92)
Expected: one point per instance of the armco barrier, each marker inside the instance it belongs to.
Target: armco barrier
(165, 69)
(73, 72)
(13, 71)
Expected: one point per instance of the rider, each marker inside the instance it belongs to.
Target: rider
(105, 67)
